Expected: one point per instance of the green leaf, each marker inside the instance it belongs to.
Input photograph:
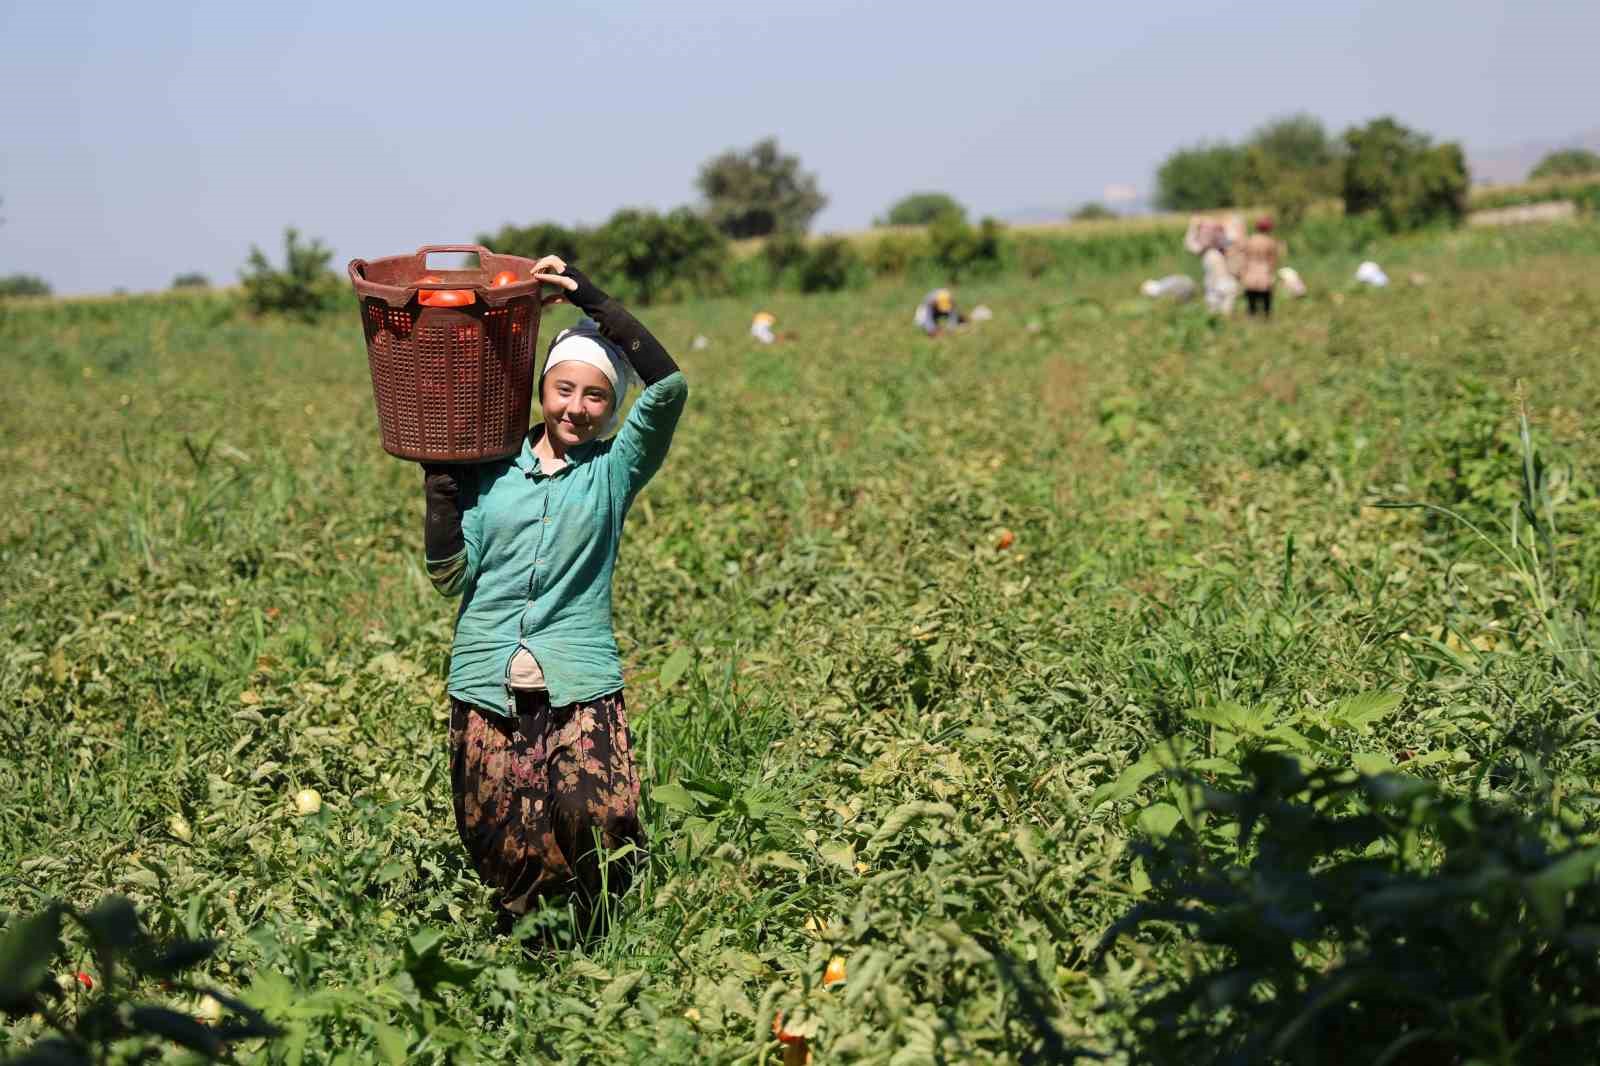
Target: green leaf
(1227, 714)
(429, 970)
(1126, 784)
(902, 817)
(676, 666)
(178, 1028)
(27, 948)
(114, 925)
(674, 797)
(177, 957)
(392, 1043)
(52, 1051)
(840, 854)
(1359, 712)
(1159, 819)
(781, 859)
(1372, 762)
(1215, 766)
(1547, 890)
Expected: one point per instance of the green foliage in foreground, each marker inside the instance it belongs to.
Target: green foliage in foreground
(105, 1024)
(1348, 918)
(866, 730)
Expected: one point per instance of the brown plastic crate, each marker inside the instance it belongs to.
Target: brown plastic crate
(451, 384)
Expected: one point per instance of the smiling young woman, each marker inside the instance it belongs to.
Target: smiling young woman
(541, 763)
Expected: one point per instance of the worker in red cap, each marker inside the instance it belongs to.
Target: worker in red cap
(1261, 254)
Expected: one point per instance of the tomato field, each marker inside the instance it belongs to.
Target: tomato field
(933, 647)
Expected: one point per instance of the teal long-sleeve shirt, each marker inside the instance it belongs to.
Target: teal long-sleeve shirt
(540, 550)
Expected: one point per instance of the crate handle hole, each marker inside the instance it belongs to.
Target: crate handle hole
(452, 261)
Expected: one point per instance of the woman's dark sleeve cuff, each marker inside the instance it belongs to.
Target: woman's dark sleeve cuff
(643, 352)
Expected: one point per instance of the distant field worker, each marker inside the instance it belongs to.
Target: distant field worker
(761, 326)
(1260, 270)
(541, 763)
(1221, 287)
(937, 312)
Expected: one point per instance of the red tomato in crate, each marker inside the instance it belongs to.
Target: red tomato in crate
(505, 277)
(446, 297)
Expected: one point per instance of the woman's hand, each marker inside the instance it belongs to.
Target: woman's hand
(551, 269)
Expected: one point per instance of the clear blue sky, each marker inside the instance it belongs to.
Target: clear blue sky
(144, 140)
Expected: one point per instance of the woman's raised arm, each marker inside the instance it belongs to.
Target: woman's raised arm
(639, 346)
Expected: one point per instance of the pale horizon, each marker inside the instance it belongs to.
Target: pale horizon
(163, 140)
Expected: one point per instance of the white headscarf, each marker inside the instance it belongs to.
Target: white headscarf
(584, 344)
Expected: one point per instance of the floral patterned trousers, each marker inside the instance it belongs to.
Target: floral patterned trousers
(541, 798)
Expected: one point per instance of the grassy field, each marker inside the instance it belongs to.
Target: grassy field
(884, 731)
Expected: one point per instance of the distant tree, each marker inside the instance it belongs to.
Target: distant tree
(1198, 178)
(1092, 212)
(645, 256)
(23, 285)
(305, 286)
(921, 208)
(1567, 163)
(1287, 191)
(192, 280)
(1377, 154)
(1399, 174)
(760, 191)
(536, 240)
(1287, 165)
(1298, 142)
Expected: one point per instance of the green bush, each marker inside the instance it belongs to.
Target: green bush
(1335, 234)
(92, 1014)
(1093, 212)
(1299, 142)
(1401, 176)
(1582, 191)
(1034, 256)
(893, 255)
(1100, 252)
(1336, 918)
(643, 256)
(922, 208)
(192, 280)
(304, 288)
(782, 253)
(1567, 163)
(1198, 178)
(830, 265)
(959, 250)
(536, 240)
(23, 285)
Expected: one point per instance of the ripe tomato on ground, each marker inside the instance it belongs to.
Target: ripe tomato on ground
(835, 971)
